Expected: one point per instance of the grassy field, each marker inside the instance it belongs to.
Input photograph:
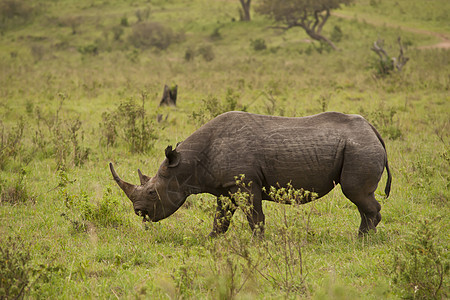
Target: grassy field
(80, 84)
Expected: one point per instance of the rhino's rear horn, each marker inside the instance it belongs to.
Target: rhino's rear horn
(143, 178)
(128, 188)
(173, 156)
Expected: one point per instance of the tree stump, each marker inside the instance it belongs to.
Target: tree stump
(169, 97)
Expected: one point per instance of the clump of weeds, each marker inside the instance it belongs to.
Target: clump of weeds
(62, 139)
(19, 274)
(421, 264)
(130, 123)
(212, 107)
(82, 212)
(240, 257)
(10, 142)
(15, 192)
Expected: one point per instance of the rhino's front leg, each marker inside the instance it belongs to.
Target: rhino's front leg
(222, 218)
(255, 215)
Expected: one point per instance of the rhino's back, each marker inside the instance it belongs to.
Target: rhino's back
(306, 151)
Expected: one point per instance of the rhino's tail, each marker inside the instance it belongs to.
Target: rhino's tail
(387, 189)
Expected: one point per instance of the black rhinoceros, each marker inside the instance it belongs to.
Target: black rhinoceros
(314, 153)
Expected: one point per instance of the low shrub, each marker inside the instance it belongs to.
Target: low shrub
(15, 12)
(82, 213)
(90, 49)
(142, 14)
(73, 22)
(62, 139)
(151, 35)
(15, 192)
(421, 264)
(124, 21)
(20, 275)
(16, 273)
(240, 257)
(336, 34)
(384, 121)
(37, 51)
(216, 35)
(131, 123)
(207, 52)
(10, 142)
(212, 107)
(117, 31)
(258, 44)
(189, 54)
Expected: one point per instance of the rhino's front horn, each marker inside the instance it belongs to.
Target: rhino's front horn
(125, 186)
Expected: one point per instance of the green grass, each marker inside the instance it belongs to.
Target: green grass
(430, 15)
(98, 248)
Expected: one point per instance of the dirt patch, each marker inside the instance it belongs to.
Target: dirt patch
(442, 45)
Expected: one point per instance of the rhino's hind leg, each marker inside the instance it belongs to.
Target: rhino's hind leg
(222, 218)
(369, 209)
(360, 189)
(370, 215)
(360, 175)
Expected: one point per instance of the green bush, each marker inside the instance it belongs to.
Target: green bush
(15, 272)
(336, 34)
(15, 192)
(212, 107)
(130, 123)
(82, 213)
(240, 257)
(258, 44)
(19, 273)
(124, 21)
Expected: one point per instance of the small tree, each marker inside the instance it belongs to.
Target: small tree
(245, 12)
(311, 15)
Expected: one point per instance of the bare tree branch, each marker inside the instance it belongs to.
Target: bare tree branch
(401, 60)
(387, 63)
(378, 49)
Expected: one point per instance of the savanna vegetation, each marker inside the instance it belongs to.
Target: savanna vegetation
(80, 86)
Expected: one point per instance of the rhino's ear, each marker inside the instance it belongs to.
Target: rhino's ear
(172, 156)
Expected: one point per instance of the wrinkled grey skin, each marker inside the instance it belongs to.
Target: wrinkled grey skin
(314, 153)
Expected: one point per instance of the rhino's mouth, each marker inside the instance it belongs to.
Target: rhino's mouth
(143, 214)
